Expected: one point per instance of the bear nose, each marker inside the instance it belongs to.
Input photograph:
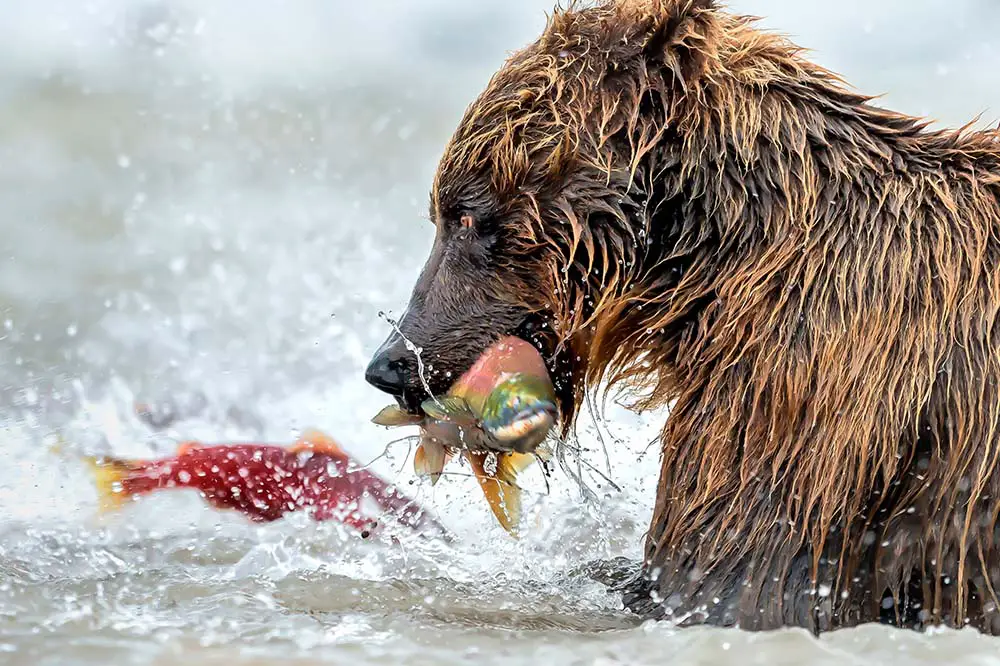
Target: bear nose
(389, 369)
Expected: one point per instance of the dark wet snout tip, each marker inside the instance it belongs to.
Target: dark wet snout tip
(389, 369)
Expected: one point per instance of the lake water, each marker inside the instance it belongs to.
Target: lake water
(220, 202)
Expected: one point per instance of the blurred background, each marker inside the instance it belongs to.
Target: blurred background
(221, 198)
(224, 195)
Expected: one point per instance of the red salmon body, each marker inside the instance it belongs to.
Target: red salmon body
(265, 481)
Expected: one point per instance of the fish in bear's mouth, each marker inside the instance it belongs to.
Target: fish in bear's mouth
(535, 331)
(496, 416)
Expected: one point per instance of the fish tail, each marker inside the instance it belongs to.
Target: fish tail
(110, 475)
(500, 485)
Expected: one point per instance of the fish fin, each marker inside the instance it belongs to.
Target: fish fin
(187, 447)
(392, 416)
(314, 441)
(421, 467)
(109, 476)
(500, 488)
(511, 464)
(448, 408)
(430, 459)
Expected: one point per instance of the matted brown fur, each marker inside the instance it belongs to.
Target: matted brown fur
(702, 217)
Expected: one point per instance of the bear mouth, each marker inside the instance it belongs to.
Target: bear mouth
(410, 400)
(535, 330)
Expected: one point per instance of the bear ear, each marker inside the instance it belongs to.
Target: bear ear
(681, 35)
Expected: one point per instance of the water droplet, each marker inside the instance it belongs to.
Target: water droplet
(178, 265)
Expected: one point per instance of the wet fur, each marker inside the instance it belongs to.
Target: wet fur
(698, 215)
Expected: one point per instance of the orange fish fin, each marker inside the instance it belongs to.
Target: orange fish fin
(187, 447)
(393, 416)
(317, 442)
(512, 464)
(499, 484)
(430, 459)
(109, 476)
(420, 465)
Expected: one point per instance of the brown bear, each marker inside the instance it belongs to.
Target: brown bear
(669, 200)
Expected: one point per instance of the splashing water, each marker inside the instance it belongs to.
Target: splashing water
(416, 351)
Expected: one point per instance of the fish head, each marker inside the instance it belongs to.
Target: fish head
(520, 412)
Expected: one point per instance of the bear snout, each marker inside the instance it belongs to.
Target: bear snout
(391, 370)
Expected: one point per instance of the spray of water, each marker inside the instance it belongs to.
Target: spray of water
(416, 351)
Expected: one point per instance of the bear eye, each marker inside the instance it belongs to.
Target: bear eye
(467, 221)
